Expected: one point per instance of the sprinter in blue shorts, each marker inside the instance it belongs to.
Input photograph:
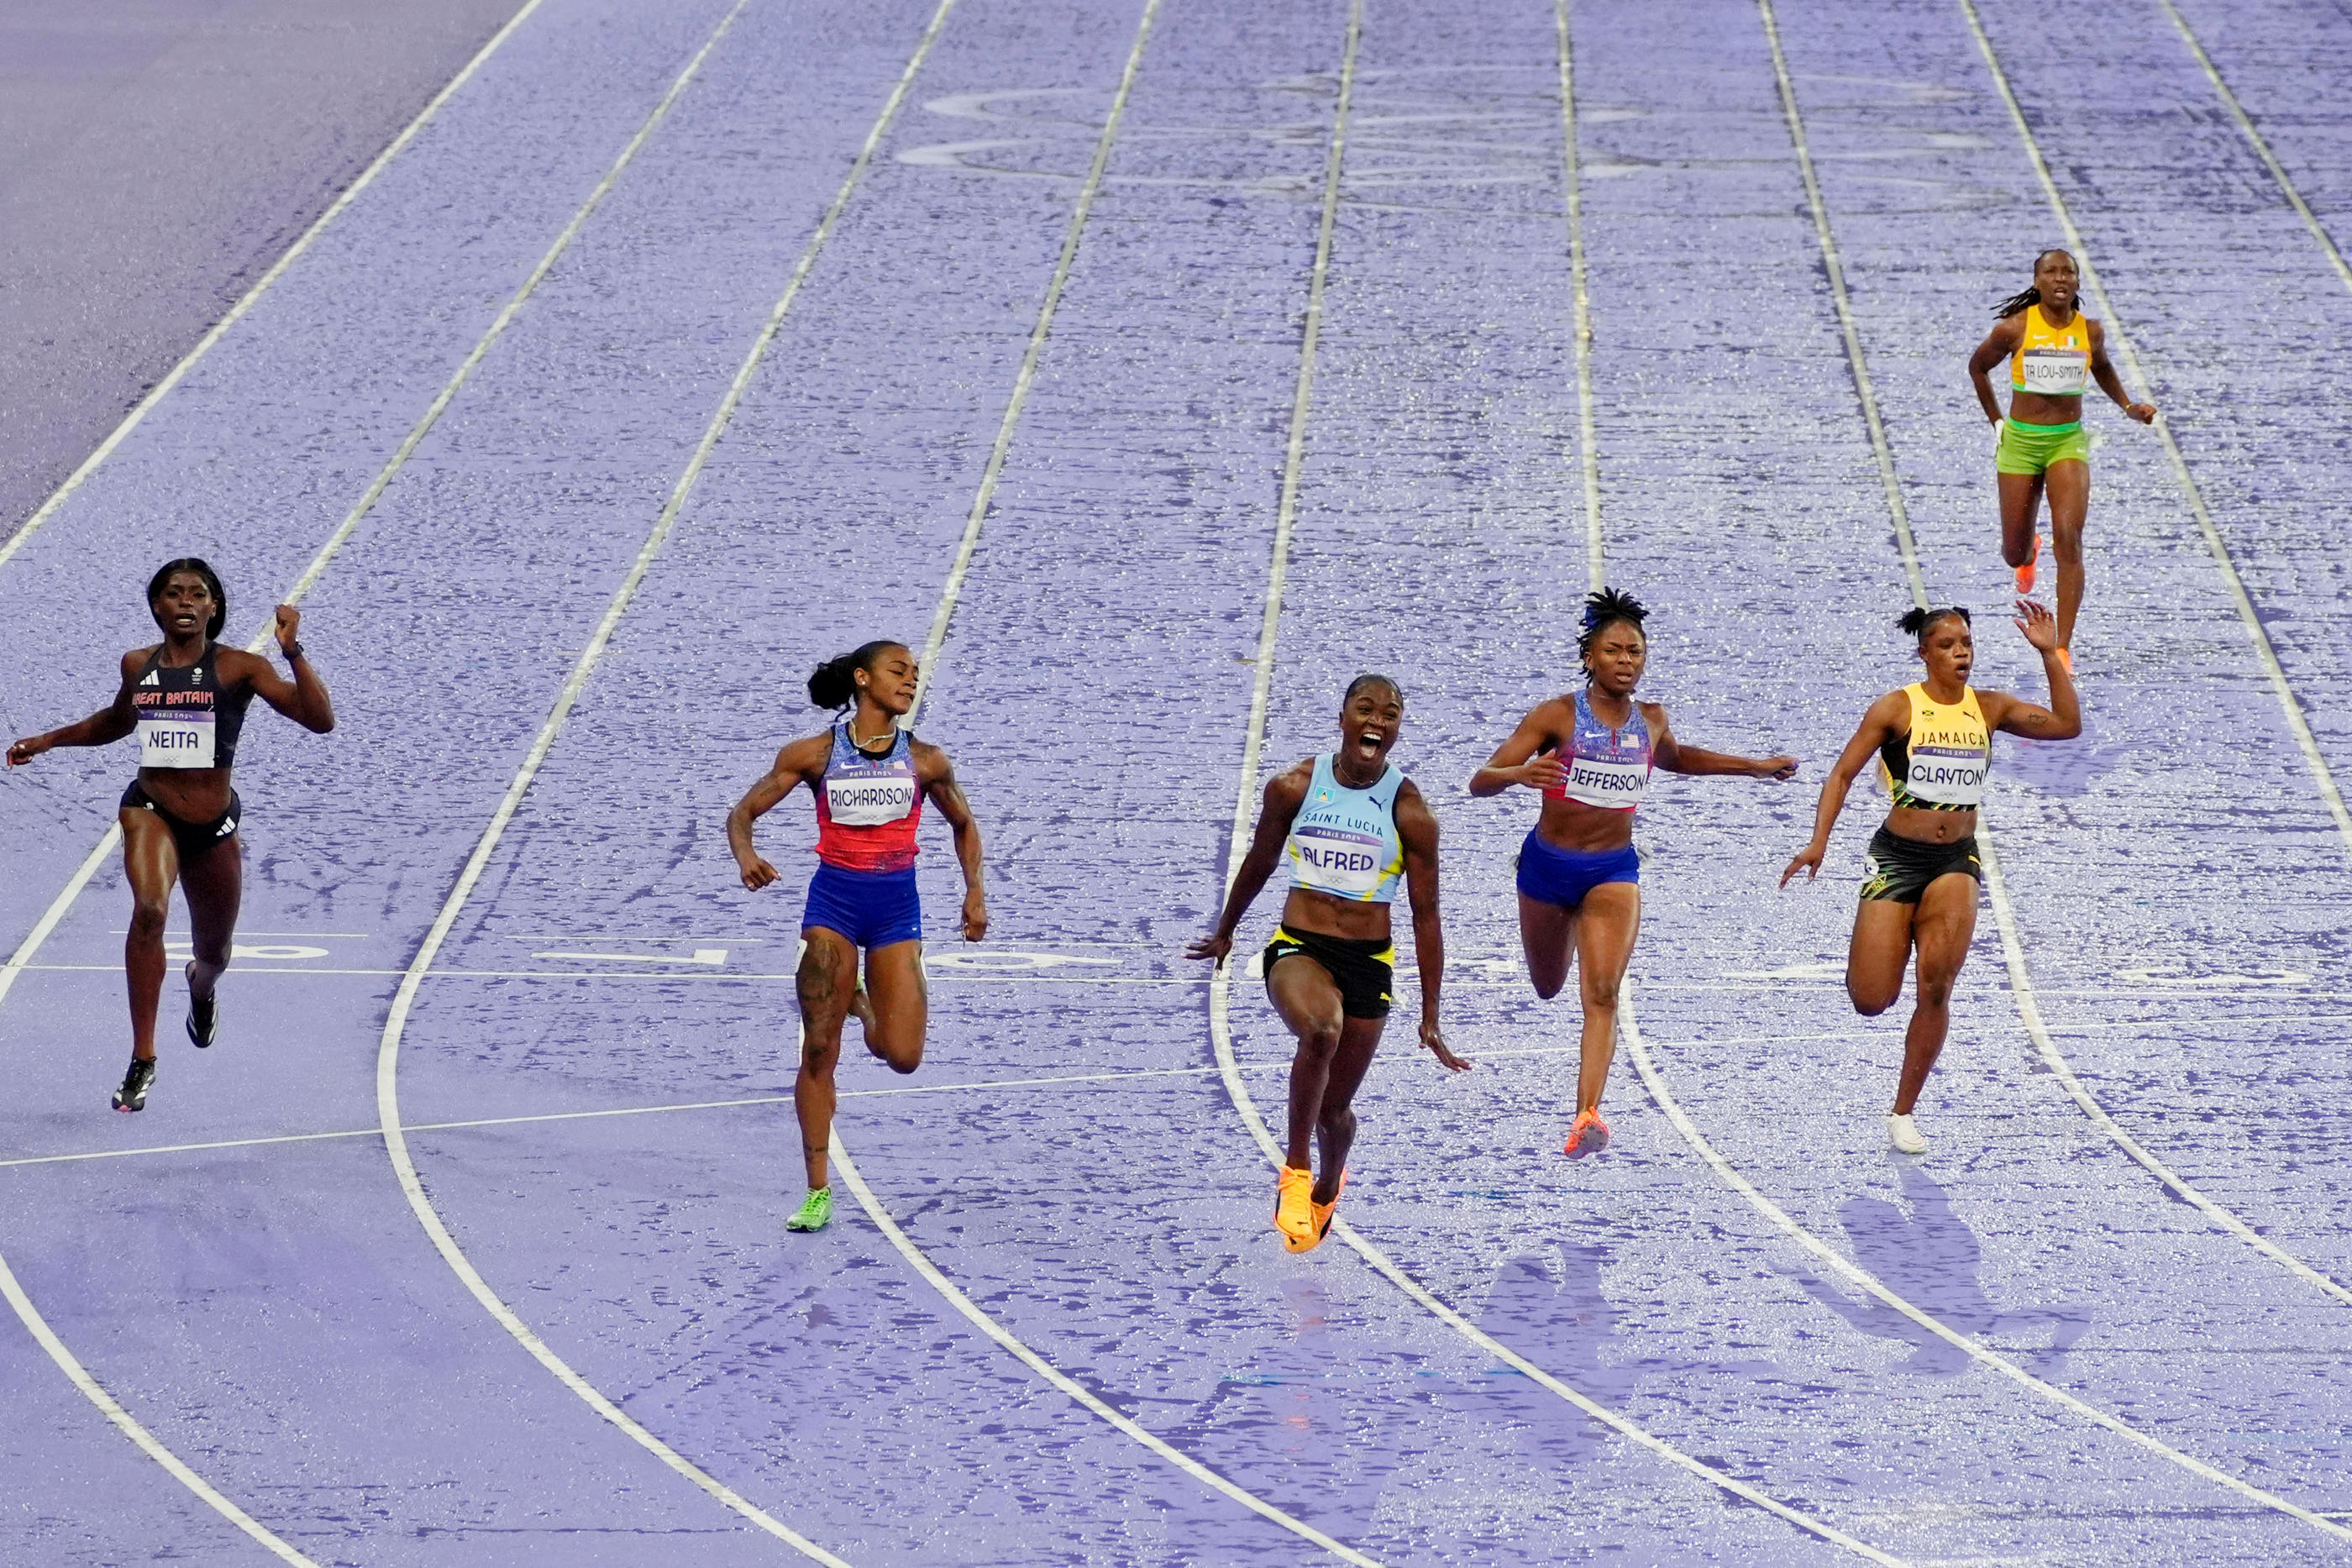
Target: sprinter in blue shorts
(1591, 755)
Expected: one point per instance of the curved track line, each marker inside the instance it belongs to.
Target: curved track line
(1269, 628)
(18, 1299)
(2322, 778)
(145, 405)
(2012, 939)
(1858, 1275)
(985, 497)
(95, 1391)
(394, 1131)
(405, 998)
(2245, 123)
(1067, 1385)
(1590, 454)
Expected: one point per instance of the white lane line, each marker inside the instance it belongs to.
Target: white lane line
(1588, 448)
(404, 998)
(1244, 802)
(335, 541)
(27, 1312)
(949, 593)
(178, 373)
(1866, 1280)
(506, 313)
(2261, 148)
(387, 1061)
(974, 1086)
(2028, 1010)
(922, 1263)
(95, 1391)
(985, 497)
(2322, 778)
(2005, 917)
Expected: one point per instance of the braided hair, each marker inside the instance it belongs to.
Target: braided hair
(162, 578)
(1608, 608)
(1918, 622)
(2033, 296)
(835, 685)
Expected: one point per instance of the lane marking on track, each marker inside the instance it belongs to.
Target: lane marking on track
(130, 1426)
(949, 594)
(1062, 1381)
(1237, 848)
(25, 1310)
(394, 1131)
(145, 405)
(1866, 1280)
(2261, 148)
(405, 998)
(1588, 448)
(984, 497)
(972, 1086)
(2012, 939)
(2322, 779)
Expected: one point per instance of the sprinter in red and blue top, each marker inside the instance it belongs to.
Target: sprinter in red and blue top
(870, 777)
(1590, 755)
(185, 699)
(1351, 825)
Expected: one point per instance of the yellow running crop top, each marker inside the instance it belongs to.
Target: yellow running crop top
(1939, 762)
(2053, 360)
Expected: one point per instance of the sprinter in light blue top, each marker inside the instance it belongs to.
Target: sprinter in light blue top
(1344, 841)
(1351, 825)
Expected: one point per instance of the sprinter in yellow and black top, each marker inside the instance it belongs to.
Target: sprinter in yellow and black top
(2054, 353)
(1934, 741)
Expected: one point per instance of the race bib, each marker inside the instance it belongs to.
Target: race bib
(1611, 785)
(1947, 776)
(176, 740)
(869, 802)
(2053, 372)
(1329, 859)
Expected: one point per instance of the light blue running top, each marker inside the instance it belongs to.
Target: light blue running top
(1344, 842)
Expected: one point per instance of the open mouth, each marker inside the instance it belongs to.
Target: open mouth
(1369, 742)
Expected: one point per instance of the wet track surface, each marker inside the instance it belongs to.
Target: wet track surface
(611, 1015)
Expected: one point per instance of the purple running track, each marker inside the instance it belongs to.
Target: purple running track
(273, 1312)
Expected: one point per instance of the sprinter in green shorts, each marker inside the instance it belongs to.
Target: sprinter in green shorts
(2055, 353)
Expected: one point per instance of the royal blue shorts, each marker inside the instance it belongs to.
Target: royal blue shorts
(1564, 876)
(870, 908)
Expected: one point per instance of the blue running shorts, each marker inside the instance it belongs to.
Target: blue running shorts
(870, 908)
(1564, 876)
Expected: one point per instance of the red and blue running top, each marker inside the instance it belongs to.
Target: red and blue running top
(867, 807)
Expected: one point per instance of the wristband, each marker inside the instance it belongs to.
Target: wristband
(291, 653)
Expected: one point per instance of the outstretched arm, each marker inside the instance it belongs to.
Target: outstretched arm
(107, 725)
(2063, 719)
(1674, 757)
(1887, 715)
(304, 698)
(1516, 760)
(2103, 372)
(940, 782)
(1417, 826)
(1998, 344)
(802, 761)
(1285, 793)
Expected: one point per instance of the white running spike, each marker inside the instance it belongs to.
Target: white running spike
(1904, 1137)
